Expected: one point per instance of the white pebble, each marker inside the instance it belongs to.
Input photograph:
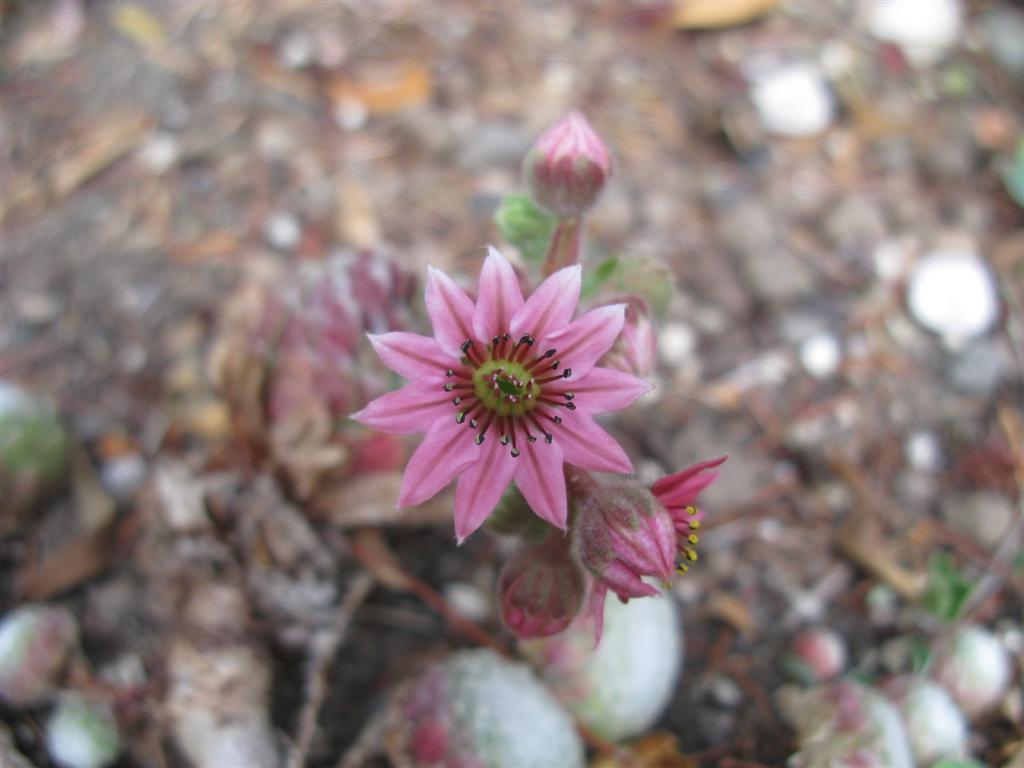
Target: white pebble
(282, 230)
(953, 294)
(821, 355)
(794, 100)
(922, 451)
(676, 344)
(924, 29)
(160, 153)
(467, 601)
(123, 475)
(297, 50)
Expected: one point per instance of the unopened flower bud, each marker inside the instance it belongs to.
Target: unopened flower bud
(845, 725)
(568, 166)
(636, 349)
(476, 709)
(816, 655)
(621, 688)
(974, 667)
(935, 726)
(82, 733)
(34, 644)
(623, 535)
(541, 589)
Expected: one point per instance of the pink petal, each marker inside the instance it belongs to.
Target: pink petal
(549, 307)
(584, 341)
(585, 444)
(447, 450)
(499, 297)
(681, 484)
(624, 582)
(595, 609)
(410, 355)
(481, 486)
(602, 390)
(413, 408)
(450, 310)
(541, 478)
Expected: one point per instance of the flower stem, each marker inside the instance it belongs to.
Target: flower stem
(564, 248)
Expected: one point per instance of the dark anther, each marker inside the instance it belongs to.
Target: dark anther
(449, 373)
(456, 400)
(568, 395)
(505, 439)
(448, 387)
(554, 365)
(466, 345)
(571, 406)
(506, 337)
(567, 373)
(548, 438)
(550, 353)
(473, 423)
(515, 453)
(527, 339)
(531, 438)
(495, 340)
(460, 417)
(479, 440)
(557, 419)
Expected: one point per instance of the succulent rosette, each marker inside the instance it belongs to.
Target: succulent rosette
(506, 391)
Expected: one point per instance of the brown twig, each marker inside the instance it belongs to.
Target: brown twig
(324, 653)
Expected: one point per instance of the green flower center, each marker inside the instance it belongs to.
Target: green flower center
(506, 387)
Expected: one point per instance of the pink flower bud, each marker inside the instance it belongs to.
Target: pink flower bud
(623, 535)
(34, 644)
(568, 166)
(476, 709)
(816, 655)
(541, 589)
(636, 349)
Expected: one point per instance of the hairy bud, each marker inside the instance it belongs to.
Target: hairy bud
(541, 589)
(568, 166)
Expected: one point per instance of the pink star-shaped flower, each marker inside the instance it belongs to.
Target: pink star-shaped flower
(505, 391)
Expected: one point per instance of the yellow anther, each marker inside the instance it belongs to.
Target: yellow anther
(694, 524)
(682, 569)
(692, 538)
(691, 510)
(692, 554)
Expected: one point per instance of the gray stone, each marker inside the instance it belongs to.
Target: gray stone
(978, 369)
(984, 515)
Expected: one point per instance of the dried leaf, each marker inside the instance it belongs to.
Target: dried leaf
(733, 611)
(106, 143)
(139, 24)
(861, 541)
(716, 14)
(655, 750)
(357, 219)
(94, 506)
(386, 89)
(370, 500)
(375, 554)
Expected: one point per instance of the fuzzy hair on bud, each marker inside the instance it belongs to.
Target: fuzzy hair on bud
(623, 534)
(541, 589)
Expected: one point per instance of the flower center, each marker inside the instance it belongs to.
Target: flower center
(507, 386)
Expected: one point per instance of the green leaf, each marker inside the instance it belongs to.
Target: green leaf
(947, 588)
(526, 225)
(920, 654)
(1018, 564)
(649, 279)
(957, 763)
(1013, 175)
(597, 277)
